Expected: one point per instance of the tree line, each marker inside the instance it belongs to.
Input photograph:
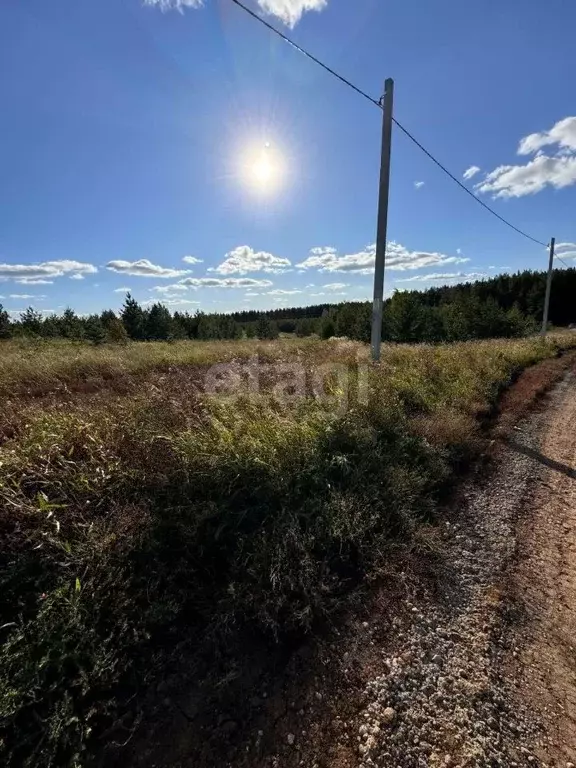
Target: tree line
(504, 306)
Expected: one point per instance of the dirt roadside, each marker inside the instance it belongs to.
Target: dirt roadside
(467, 659)
(541, 657)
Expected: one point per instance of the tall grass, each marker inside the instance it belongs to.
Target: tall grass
(145, 528)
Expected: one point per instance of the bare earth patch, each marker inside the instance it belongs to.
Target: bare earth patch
(542, 656)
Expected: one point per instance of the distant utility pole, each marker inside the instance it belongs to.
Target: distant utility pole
(548, 288)
(388, 106)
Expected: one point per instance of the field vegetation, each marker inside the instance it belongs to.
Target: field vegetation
(147, 522)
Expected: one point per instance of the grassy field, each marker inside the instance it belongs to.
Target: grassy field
(146, 520)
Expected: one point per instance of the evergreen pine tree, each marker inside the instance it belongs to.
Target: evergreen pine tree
(265, 328)
(94, 330)
(5, 324)
(159, 324)
(133, 318)
(327, 328)
(31, 322)
(116, 332)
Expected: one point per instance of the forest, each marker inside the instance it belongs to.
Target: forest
(504, 306)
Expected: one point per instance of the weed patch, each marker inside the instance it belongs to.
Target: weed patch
(142, 529)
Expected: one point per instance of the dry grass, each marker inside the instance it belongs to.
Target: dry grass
(39, 367)
(143, 528)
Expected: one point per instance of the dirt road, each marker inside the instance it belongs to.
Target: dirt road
(484, 671)
(467, 659)
(479, 668)
(543, 585)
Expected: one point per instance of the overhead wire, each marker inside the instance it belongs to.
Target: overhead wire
(465, 188)
(379, 104)
(563, 262)
(306, 53)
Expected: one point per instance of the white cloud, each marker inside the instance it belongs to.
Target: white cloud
(563, 133)
(77, 276)
(288, 11)
(179, 5)
(335, 286)
(557, 170)
(470, 172)
(169, 288)
(520, 180)
(443, 276)
(225, 282)
(26, 296)
(174, 301)
(565, 250)
(252, 293)
(144, 268)
(44, 272)
(291, 11)
(282, 292)
(244, 259)
(419, 184)
(398, 258)
(191, 260)
(122, 290)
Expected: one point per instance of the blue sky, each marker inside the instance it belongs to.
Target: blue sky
(192, 156)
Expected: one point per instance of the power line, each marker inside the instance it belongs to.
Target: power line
(464, 187)
(306, 53)
(563, 262)
(378, 103)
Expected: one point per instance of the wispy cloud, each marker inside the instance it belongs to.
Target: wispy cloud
(244, 259)
(291, 11)
(442, 277)
(191, 260)
(26, 296)
(44, 273)
(566, 250)
(556, 169)
(288, 11)
(178, 5)
(122, 290)
(398, 258)
(335, 286)
(471, 172)
(144, 268)
(174, 301)
(172, 288)
(282, 292)
(419, 184)
(225, 282)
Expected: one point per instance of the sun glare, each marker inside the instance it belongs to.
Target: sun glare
(263, 169)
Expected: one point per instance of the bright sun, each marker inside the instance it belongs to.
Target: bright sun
(263, 169)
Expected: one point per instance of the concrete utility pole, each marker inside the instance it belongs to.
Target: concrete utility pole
(548, 288)
(388, 106)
